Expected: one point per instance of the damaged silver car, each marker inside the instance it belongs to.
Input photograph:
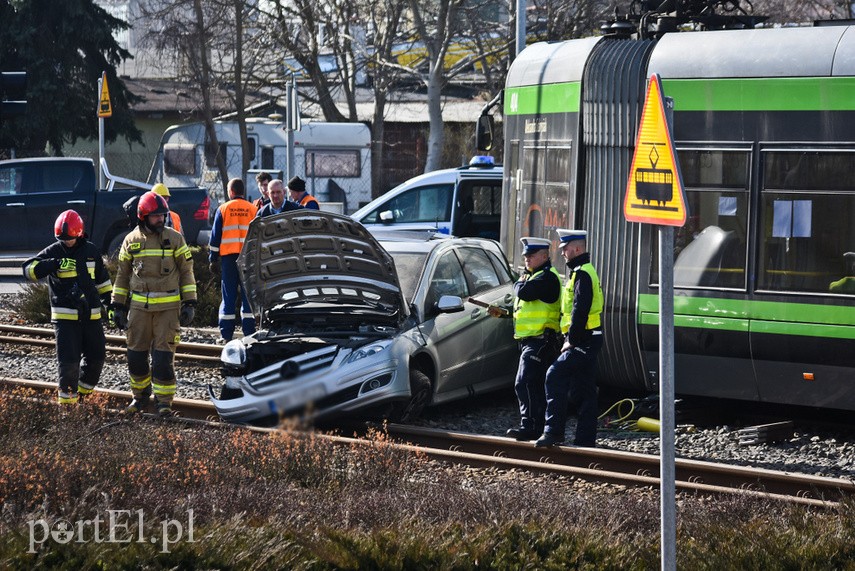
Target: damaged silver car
(349, 325)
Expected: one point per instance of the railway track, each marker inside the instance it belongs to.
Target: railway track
(44, 337)
(590, 464)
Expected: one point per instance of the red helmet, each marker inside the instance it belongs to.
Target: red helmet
(68, 226)
(151, 203)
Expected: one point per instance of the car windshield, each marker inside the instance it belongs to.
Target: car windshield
(409, 268)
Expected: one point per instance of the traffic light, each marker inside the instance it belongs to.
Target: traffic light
(13, 87)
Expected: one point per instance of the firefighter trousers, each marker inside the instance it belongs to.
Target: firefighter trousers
(80, 352)
(155, 334)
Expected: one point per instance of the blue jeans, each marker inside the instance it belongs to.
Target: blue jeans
(574, 373)
(230, 286)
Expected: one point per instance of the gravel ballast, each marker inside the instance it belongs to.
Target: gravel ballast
(811, 451)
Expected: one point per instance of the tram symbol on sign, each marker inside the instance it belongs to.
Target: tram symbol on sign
(654, 193)
(654, 184)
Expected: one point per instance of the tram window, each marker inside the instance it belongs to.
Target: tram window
(534, 164)
(805, 241)
(704, 168)
(809, 170)
(558, 164)
(710, 249)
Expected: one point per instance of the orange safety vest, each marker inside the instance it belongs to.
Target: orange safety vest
(176, 222)
(237, 214)
(307, 198)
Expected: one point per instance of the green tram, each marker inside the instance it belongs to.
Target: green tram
(764, 268)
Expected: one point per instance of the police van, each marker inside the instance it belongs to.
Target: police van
(463, 201)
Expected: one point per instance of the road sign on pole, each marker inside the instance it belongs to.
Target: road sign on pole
(104, 107)
(654, 192)
(654, 195)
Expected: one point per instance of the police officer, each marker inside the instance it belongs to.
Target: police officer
(172, 219)
(155, 281)
(78, 284)
(231, 223)
(536, 322)
(297, 190)
(581, 308)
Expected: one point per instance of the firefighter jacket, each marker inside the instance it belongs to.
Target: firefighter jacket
(231, 223)
(77, 279)
(581, 301)
(155, 271)
(537, 302)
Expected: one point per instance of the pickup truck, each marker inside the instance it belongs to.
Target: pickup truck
(33, 192)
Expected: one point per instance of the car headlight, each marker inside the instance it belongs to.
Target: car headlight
(234, 353)
(367, 351)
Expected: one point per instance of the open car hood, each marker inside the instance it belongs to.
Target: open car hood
(310, 261)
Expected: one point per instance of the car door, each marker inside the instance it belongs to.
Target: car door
(12, 204)
(456, 338)
(57, 187)
(492, 283)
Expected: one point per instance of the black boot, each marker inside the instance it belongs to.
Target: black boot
(139, 404)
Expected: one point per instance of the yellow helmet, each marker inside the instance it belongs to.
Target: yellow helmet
(160, 189)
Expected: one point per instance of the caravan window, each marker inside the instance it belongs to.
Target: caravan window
(179, 159)
(267, 158)
(332, 163)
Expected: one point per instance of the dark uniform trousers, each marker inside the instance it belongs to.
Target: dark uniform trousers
(536, 354)
(575, 372)
(231, 287)
(74, 338)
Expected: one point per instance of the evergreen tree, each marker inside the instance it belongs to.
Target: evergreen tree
(63, 46)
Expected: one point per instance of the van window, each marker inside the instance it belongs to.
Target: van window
(422, 204)
(479, 208)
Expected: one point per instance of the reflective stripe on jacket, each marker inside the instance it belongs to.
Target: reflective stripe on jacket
(230, 226)
(155, 271)
(73, 289)
(596, 303)
(533, 318)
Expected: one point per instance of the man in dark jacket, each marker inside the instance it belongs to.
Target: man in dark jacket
(79, 285)
(277, 204)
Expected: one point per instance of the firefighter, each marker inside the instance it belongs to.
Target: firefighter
(575, 368)
(172, 219)
(79, 284)
(155, 292)
(227, 235)
(536, 315)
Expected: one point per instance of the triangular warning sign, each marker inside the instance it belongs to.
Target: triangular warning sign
(654, 192)
(104, 107)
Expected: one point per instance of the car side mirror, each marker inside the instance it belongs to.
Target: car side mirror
(450, 304)
(387, 216)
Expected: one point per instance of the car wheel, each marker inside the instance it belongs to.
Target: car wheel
(420, 391)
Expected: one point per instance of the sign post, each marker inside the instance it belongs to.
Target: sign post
(655, 195)
(104, 110)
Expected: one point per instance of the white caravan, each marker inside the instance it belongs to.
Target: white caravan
(333, 158)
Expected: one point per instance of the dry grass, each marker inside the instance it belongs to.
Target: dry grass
(285, 501)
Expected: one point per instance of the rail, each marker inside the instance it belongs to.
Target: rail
(590, 464)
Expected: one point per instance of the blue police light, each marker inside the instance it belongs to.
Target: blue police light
(482, 161)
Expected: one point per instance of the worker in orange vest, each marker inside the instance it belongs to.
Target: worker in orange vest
(297, 190)
(230, 226)
(172, 219)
